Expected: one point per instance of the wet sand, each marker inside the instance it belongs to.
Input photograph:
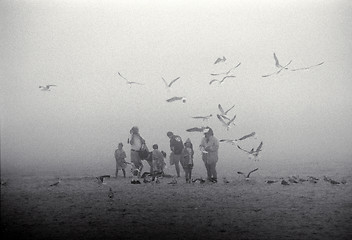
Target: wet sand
(80, 208)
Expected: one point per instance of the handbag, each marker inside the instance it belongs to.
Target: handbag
(143, 152)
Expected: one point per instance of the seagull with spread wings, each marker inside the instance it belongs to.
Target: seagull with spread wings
(247, 176)
(233, 141)
(173, 99)
(168, 85)
(223, 59)
(204, 118)
(252, 151)
(130, 82)
(224, 113)
(196, 129)
(226, 124)
(278, 65)
(47, 87)
(226, 73)
(222, 80)
(306, 68)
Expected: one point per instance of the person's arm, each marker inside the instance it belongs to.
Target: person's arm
(214, 146)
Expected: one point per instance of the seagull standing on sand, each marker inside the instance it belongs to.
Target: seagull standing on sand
(101, 178)
(173, 99)
(173, 182)
(111, 193)
(278, 65)
(56, 183)
(168, 85)
(47, 87)
(223, 59)
(130, 82)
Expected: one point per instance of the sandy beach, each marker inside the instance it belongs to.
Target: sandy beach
(80, 208)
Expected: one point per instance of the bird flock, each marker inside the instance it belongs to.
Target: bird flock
(224, 117)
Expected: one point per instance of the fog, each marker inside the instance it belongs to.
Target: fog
(302, 117)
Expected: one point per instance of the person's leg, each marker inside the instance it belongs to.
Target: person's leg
(190, 175)
(177, 164)
(186, 174)
(213, 171)
(124, 173)
(207, 166)
(136, 160)
(116, 171)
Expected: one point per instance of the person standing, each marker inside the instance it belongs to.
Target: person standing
(209, 147)
(187, 160)
(158, 160)
(176, 147)
(136, 142)
(120, 157)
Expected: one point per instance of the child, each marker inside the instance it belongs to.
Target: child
(158, 160)
(120, 156)
(187, 160)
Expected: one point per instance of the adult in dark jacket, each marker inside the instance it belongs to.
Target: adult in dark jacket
(176, 147)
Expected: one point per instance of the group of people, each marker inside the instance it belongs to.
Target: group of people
(181, 153)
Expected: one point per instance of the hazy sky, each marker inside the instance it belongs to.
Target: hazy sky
(81, 46)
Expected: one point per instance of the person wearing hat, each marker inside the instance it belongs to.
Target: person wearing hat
(176, 147)
(120, 157)
(136, 142)
(209, 146)
(187, 160)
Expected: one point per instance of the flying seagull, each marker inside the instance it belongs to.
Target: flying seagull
(246, 136)
(203, 117)
(226, 73)
(252, 151)
(233, 141)
(196, 129)
(224, 113)
(176, 99)
(130, 82)
(306, 68)
(278, 65)
(55, 183)
(223, 59)
(226, 124)
(247, 177)
(47, 87)
(222, 80)
(168, 85)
